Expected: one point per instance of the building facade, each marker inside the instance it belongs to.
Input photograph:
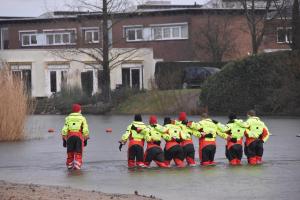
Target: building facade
(36, 48)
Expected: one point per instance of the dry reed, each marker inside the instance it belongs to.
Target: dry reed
(13, 106)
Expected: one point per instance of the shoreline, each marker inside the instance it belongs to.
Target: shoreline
(16, 191)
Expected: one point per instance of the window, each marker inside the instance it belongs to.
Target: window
(58, 38)
(134, 34)
(23, 72)
(284, 35)
(91, 36)
(87, 82)
(48, 37)
(170, 32)
(167, 32)
(29, 39)
(57, 77)
(33, 40)
(175, 31)
(157, 33)
(64, 37)
(26, 40)
(289, 35)
(53, 87)
(4, 42)
(132, 76)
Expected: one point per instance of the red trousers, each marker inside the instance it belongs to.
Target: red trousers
(75, 144)
(74, 159)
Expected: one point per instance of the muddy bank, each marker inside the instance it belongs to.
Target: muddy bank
(13, 191)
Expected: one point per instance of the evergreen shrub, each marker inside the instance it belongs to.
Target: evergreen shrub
(269, 83)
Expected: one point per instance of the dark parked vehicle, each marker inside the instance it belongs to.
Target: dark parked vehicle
(195, 76)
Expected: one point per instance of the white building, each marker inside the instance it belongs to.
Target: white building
(45, 72)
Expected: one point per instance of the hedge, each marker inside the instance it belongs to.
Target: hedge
(269, 83)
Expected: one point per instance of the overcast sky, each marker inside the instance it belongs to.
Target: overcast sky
(37, 7)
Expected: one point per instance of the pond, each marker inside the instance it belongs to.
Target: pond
(41, 160)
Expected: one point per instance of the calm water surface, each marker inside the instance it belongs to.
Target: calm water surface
(41, 160)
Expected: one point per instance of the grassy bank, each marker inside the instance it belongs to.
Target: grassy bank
(161, 102)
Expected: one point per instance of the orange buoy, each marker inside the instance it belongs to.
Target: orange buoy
(51, 130)
(108, 130)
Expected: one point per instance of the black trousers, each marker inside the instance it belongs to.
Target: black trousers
(136, 152)
(174, 152)
(255, 148)
(208, 153)
(189, 151)
(154, 153)
(234, 152)
(74, 144)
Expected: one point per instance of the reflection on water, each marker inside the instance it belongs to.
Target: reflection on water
(105, 168)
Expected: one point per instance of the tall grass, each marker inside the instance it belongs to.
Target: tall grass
(13, 106)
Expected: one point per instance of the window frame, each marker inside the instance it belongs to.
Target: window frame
(93, 31)
(59, 69)
(4, 40)
(157, 32)
(286, 35)
(30, 34)
(61, 33)
(131, 68)
(42, 38)
(170, 26)
(134, 28)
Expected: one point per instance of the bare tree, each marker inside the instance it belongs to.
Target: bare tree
(296, 26)
(216, 37)
(282, 16)
(256, 20)
(104, 54)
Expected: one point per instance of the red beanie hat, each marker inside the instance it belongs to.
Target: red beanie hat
(152, 119)
(76, 108)
(182, 116)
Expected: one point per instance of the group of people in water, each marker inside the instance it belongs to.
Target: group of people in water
(177, 134)
(179, 146)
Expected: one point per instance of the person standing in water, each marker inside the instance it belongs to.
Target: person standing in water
(208, 129)
(135, 133)
(257, 135)
(186, 136)
(153, 138)
(75, 134)
(234, 147)
(173, 149)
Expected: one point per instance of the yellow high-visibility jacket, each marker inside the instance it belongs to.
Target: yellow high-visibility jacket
(75, 122)
(256, 129)
(207, 126)
(135, 134)
(173, 132)
(155, 133)
(237, 128)
(186, 132)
